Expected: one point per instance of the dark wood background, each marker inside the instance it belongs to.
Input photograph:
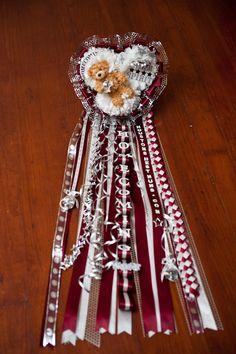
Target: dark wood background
(38, 111)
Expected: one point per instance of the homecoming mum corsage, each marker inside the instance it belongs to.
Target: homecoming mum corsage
(132, 237)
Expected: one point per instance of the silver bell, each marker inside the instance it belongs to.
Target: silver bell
(169, 271)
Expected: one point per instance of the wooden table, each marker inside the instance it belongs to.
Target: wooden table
(38, 111)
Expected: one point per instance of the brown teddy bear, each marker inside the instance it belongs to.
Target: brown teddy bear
(114, 83)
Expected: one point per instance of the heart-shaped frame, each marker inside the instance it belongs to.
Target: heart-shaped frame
(143, 62)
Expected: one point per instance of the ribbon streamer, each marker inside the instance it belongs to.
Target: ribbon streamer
(133, 237)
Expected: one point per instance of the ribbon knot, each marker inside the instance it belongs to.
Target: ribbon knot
(69, 200)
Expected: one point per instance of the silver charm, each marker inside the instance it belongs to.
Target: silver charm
(70, 200)
(107, 84)
(169, 271)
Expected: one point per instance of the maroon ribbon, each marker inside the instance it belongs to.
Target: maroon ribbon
(71, 312)
(104, 301)
(147, 300)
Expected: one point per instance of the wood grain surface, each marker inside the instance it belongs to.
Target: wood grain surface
(38, 111)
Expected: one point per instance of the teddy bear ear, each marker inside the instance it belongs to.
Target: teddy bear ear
(90, 71)
(104, 63)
